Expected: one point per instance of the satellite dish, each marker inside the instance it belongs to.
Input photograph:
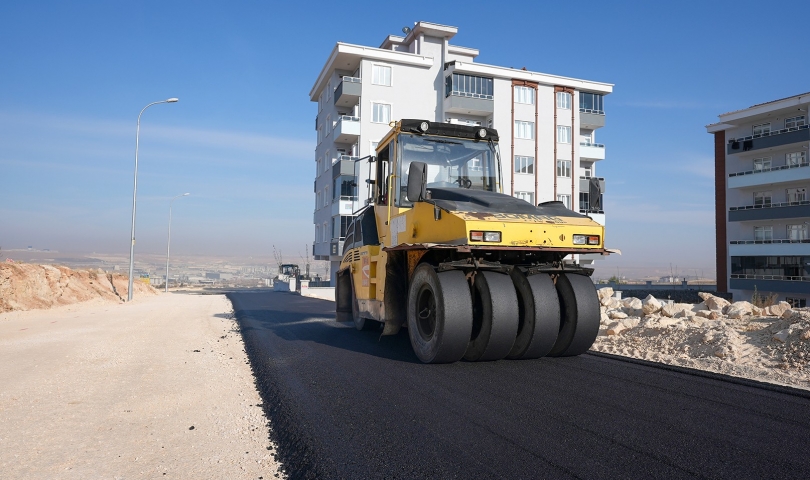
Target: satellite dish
(406, 30)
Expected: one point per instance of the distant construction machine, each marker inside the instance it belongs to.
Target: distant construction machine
(472, 273)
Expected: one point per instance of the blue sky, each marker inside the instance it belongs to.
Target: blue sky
(74, 75)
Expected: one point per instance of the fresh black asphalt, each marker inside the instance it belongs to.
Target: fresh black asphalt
(349, 404)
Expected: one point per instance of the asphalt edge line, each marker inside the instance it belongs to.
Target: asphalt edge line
(773, 387)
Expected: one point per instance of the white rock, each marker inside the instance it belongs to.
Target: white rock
(605, 294)
(614, 328)
(670, 310)
(787, 313)
(617, 315)
(650, 305)
(778, 309)
(632, 302)
(630, 322)
(738, 309)
(712, 302)
(782, 335)
(710, 314)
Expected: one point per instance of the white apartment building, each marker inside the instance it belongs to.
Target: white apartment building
(547, 123)
(762, 209)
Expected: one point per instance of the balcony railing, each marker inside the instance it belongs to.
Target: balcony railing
(767, 242)
(586, 211)
(458, 93)
(351, 79)
(770, 277)
(590, 110)
(769, 134)
(771, 205)
(770, 169)
(589, 144)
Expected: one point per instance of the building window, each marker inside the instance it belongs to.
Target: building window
(468, 86)
(345, 187)
(317, 234)
(796, 194)
(524, 164)
(381, 75)
(762, 164)
(763, 234)
(565, 199)
(325, 232)
(793, 267)
(587, 169)
(795, 159)
(591, 103)
(584, 202)
(563, 100)
(327, 161)
(762, 129)
(563, 168)
(340, 225)
(797, 232)
(793, 122)
(381, 113)
(563, 134)
(762, 199)
(796, 302)
(524, 95)
(524, 130)
(527, 196)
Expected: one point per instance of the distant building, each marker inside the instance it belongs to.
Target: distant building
(762, 210)
(212, 276)
(547, 123)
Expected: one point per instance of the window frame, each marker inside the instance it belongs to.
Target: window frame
(523, 165)
(763, 233)
(564, 166)
(520, 128)
(766, 198)
(799, 193)
(564, 101)
(522, 97)
(374, 106)
(374, 67)
(764, 130)
(797, 121)
(802, 157)
(523, 195)
(801, 229)
(565, 199)
(566, 137)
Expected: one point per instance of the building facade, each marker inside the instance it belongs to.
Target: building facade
(762, 209)
(547, 124)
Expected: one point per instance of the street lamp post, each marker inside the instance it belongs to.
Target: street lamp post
(134, 196)
(169, 241)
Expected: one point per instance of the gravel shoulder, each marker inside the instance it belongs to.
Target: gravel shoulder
(156, 388)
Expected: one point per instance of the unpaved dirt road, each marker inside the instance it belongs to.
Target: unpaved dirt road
(156, 388)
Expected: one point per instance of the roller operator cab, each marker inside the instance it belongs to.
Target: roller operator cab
(471, 272)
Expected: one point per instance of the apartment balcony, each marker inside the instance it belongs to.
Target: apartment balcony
(763, 248)
(769, 211)
(347, 129)
(591, 119)
(343, 206)
(321, 249)
(775, 138)
(343, 166)
(347, 93)
(585, 184)
(336, 248)
(770, 283)
(469, 103)
(783, 174)
(591, 151)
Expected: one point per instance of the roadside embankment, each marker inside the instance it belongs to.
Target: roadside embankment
(28, 286)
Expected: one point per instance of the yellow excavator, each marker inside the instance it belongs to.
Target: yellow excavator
(471, 272)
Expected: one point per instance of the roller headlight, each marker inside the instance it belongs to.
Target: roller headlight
(482, 133)
(481, 236)
(586, 239)
(424, 126)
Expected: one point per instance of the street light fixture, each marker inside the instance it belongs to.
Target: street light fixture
(134, 196)
(169, 242)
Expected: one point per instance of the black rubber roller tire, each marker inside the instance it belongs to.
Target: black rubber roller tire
(579, 319)
(439, 315)
(495, 317)
(538, 315)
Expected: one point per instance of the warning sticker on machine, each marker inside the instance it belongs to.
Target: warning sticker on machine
(364, 270)
(509, 217)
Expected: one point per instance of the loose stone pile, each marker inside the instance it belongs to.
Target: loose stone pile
(768, 344)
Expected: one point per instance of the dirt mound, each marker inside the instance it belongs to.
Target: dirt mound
(27, 286)
(767, 344)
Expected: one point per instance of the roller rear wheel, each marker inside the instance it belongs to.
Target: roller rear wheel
(495, 317)
(439, 315)
(538, 315)
(579, 308)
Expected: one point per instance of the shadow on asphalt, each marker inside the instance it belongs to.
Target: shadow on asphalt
(318, 325)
